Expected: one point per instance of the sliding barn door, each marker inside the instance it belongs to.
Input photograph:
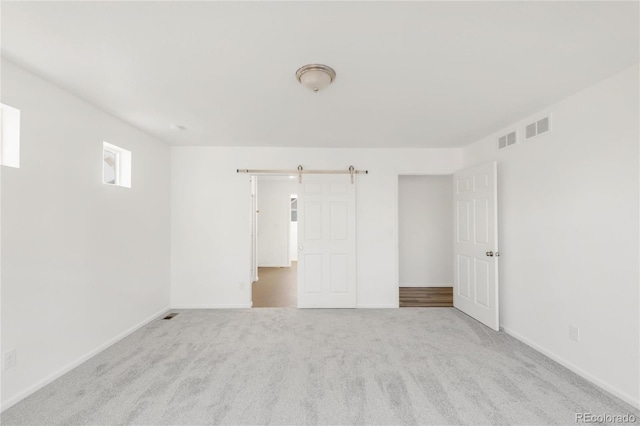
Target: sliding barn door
(475, 289)
(326, 242)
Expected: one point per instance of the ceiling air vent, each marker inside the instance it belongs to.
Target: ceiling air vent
(537, 127)
(507, 140)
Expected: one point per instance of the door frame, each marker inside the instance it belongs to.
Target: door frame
(253, 227)
(254, 208)
(396, 302)
(282, 259)
(254, 195)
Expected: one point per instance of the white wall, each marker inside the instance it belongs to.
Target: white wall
(274, 204)
(425, 211)
(211, 245)
(568, 234)
(82, 262)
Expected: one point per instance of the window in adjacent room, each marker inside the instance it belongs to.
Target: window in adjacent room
(294, 208)
(9, 136)
(116, 165)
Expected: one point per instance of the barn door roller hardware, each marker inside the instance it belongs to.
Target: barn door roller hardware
(300, 171)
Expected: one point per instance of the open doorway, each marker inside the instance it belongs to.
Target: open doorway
(275, 285)
(425, 246)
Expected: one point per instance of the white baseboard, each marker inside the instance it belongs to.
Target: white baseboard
(42, 383)
(426, 285)
(385, 306)
(579, 371)
(249, 305)
(215, 306)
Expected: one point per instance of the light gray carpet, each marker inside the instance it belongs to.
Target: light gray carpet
(288, 366)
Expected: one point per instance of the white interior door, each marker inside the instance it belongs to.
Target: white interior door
(475, 290)
(326, 242)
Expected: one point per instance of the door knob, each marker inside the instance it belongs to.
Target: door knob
(490, 253)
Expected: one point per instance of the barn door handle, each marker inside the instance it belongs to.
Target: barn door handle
(490, 253)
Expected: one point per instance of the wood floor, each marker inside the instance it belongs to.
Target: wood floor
(426, 297)
(276, 287)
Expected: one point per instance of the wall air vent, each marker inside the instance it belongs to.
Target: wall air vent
(538, 127)
(507, 140)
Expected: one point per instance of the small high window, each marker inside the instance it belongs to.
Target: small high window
(9, 136)
(116, 165)
(294, 208)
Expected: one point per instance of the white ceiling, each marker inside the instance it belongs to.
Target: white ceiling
(409, 74)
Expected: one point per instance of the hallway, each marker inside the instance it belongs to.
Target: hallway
(276, 288)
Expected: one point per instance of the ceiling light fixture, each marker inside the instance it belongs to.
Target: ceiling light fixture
(316, 76)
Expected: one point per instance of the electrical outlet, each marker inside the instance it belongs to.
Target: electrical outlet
(574, 333)
(9, 359)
